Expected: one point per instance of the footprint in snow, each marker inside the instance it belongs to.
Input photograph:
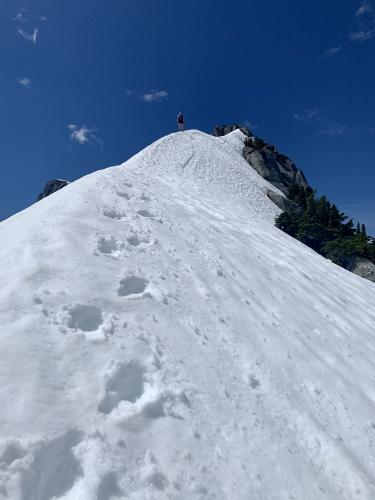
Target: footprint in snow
(148, 215)
(108, 487)
(12, 452)
(84, 317)
(145, 213)
(254, 382)
(114, 214)
(133, 240)
(132, 285)
(123, 195)
(54, 469)
(108, 245)
(126, 384)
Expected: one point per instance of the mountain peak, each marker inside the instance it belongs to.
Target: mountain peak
(161, 338)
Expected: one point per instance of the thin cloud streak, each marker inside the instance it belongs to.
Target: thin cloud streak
(150, 96)
(154, 96)
(331, 52)
(30, 37)
(327, 126)
(365, 16)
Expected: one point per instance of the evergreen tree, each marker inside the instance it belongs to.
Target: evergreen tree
(320, 225)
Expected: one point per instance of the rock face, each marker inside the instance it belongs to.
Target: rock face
(281, 201)
(363, 267)
(221, 130)
(51, 187)
(275, 167)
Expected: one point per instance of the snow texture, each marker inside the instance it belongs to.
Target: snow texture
(161, 339)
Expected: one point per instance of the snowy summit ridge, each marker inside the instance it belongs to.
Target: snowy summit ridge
(161, 339)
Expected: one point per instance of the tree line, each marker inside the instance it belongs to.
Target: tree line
(320, 225)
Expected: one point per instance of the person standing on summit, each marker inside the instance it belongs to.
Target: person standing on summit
(181, 122)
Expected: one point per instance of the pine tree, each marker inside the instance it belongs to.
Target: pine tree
(320, 225)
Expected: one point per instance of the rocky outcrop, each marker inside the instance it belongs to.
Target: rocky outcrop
(275, 167)
(221, 130)
(51, 187)
(282, 201)
(363, 267)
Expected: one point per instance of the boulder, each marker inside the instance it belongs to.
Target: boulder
(51, 187)
(363, 267)
(281, 201)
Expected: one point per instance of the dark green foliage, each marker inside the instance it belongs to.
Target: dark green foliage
(321, 226)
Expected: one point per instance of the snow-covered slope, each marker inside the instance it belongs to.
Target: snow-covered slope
(161, 339)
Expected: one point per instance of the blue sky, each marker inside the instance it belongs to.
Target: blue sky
(85, 84)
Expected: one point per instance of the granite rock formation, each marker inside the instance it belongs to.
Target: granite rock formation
(51, 187)
(275, 167)
(282, 201)
(221, 130)
(363, 267)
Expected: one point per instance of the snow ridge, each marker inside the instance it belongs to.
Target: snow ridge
(161, 339)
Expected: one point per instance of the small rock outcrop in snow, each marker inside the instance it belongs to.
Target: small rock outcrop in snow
(281, 201)
(363, 267)
(51, 187)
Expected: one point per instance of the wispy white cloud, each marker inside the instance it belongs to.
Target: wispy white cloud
(150, 96)
(365, 17)
(362, 36)
(84, 135)
(21, 16)
(365, 8)
(327, 126)
(335, 129)
(306, 116)
(24, 18)
(154, 96)
(30, 37)
(331, 52)
(25, 82)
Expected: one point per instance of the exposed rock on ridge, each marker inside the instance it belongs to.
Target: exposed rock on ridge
(51, 187)
(221, 130)
(281, 201)
(275, 167)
